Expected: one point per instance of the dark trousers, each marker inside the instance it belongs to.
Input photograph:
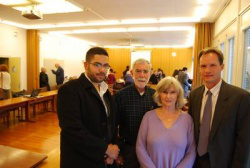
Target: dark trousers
(202, 161)
(130, 158)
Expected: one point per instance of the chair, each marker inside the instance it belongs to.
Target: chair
(19, 109)
(6, 117)
(118, 86)
(44, 104)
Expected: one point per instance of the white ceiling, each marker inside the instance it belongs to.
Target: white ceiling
(122, 10)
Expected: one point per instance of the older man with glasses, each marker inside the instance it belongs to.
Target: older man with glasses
(87, 116)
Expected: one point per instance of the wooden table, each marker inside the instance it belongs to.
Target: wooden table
(13, 158)
(44, 97)
(12, 103)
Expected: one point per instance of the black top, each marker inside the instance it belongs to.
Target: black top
(153, 79)
(44, 80)
(131, 109)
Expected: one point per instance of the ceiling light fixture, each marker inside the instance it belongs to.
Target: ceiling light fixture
(122, 22)
(45, 6)
(150, 46)
(14, 2)
(14, 24)
(133, 29)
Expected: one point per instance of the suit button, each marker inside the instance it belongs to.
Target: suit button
(103, 123)
(104, 139)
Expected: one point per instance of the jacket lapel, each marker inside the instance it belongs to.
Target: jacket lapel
(196, 114)
(220, 109)
(88, 85)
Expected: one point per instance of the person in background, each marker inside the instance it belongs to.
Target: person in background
(175, 73)
(44, 80)
(221, 114)
(111, 77)
(132, 103)
(153, 78)
(166, 134)
(183, 79)
(125, 71)
(128, 79)
(87, 117)
(59, 74)
(160, 74)
(5, 81)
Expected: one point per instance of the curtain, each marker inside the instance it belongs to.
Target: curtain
(203, 38)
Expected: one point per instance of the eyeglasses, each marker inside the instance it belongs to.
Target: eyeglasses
(99, 65)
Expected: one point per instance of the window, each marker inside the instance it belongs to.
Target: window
(222, 48)
(246, 70)
(230, 60)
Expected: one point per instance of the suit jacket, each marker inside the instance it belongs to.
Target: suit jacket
(229, 140)
(86, 130)
(59, 75)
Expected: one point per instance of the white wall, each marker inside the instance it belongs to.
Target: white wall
(71, 50)
(232, 23)
(13, 44)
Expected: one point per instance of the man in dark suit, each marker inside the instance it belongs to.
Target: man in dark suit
(59, 74)
(87, 117)
(221, 114)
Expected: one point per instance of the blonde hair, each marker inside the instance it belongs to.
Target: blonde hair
(163, 85)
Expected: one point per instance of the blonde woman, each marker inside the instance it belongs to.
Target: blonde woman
(166, 136)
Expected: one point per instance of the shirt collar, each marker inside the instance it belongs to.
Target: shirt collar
(215, 90)
(103, 85)
(141, 94)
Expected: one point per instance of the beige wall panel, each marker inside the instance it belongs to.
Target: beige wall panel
(15, 73)
(245, 20)
(244, 4)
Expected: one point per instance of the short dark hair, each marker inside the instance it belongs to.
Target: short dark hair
(212, 50)
(184, 68)
(95, 50)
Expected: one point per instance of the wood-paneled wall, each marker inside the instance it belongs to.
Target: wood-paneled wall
(32, 59)
(162, 58)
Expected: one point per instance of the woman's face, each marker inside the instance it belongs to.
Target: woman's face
(169, 97)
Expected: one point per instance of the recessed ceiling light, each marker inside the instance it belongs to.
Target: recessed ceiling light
(45, 6)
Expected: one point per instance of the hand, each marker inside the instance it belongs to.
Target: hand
(109, 160)
(112, 151)
(119, 160)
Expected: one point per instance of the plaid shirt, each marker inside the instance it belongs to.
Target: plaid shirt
(131, 108)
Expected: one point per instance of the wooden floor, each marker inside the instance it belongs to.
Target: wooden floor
(41, 136)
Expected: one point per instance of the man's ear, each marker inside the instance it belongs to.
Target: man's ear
(86, 64)
(131, 72)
